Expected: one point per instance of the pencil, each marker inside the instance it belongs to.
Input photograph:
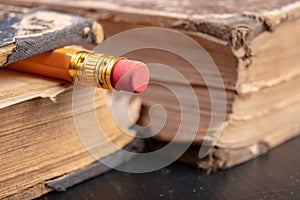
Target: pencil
(89, 68)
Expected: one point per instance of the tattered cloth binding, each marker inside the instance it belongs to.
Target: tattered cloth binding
(255, 46)
(41, 150)
(27, 32)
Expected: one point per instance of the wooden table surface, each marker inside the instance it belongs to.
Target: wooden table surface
(275, 175)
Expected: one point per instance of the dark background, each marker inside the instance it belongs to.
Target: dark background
(275, 175)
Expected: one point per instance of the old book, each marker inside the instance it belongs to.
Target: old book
(41, 149)
(253, 44)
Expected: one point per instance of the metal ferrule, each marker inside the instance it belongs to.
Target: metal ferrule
(93, 69)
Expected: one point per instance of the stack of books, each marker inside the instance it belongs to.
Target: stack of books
(253, 44)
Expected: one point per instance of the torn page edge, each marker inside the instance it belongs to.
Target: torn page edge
(50, 93)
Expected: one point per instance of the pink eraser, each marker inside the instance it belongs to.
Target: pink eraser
(129, 75)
